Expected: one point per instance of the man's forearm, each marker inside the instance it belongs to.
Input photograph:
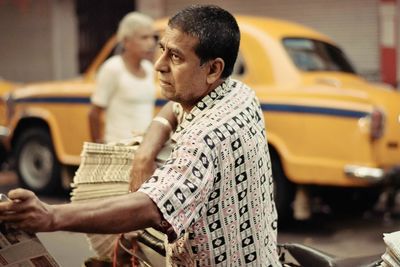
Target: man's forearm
(113, 215)
(158, 134)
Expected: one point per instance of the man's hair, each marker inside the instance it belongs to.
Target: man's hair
(131, 22)
(216, 29)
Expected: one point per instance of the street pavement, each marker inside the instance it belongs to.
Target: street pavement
(342, 236)
(69, 249)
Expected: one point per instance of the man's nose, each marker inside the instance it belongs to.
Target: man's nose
(161, 63)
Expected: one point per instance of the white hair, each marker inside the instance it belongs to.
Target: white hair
(131, 22)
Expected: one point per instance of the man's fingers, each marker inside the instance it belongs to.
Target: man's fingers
(20, 200)
(21, 194)
(13, 217)
(6, 206)
(18, 206)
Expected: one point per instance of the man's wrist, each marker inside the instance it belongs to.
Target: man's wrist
(163, 121)
(145, 156)
(54, 220)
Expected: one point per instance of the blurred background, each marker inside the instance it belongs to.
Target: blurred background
(60, 37)
(48, 40)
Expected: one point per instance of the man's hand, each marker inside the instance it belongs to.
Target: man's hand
(142, 169)
(26, 212)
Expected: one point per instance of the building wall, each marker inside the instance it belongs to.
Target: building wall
(398, 44)
(153, 8)
(64, 37)
(38, 40)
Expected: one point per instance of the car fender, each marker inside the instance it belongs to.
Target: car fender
(23, 117)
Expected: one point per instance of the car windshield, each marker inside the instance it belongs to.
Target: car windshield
(313, 55)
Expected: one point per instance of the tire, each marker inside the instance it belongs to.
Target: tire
(3, 155)
(38, 168)
(352, 200)
(283, 191)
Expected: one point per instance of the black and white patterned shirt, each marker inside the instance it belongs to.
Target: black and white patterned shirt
(216, 187)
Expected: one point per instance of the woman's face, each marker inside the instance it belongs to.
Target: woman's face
(141, 44)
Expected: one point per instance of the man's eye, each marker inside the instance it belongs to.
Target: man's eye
(175, 57)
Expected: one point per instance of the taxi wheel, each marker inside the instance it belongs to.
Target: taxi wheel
(37, 166)
(3, 155)
(352, 200)
(283, 190)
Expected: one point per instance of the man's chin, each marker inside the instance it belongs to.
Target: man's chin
(167, 94)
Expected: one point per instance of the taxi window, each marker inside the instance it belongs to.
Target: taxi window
(313, 55)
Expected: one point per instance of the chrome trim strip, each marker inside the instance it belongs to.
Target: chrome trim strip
(365, 173)
(4, 131)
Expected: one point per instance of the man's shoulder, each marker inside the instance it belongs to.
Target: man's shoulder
(239, 85)
(238, 98)
(232, 115)
(239, 91)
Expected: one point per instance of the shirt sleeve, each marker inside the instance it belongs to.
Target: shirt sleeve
(181, 186)
(106, 83)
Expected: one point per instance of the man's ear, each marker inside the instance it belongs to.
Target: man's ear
(216, 68)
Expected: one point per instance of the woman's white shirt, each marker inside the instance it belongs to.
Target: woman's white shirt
(129, 100)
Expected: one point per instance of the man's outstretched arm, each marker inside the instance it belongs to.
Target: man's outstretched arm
(113, 215)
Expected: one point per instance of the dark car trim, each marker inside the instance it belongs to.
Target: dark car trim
(314, 110)
(265, 106)
(54, 99)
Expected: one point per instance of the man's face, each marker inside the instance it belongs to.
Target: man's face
(182, 79)
(141, 43)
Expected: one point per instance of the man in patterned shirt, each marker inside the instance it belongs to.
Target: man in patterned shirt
(213, 196)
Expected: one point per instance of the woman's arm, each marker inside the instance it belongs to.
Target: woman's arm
(96, 125)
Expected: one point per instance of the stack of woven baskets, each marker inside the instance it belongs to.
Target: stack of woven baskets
(391, 257)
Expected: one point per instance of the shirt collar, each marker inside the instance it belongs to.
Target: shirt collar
(206, 103)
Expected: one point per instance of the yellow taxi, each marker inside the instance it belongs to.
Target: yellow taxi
(328, 128)
(5, 89)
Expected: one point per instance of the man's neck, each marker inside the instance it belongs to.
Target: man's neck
(187, 107)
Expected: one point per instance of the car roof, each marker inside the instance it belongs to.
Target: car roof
(276, 28)
(280, 29)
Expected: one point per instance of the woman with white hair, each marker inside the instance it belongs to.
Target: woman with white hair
(125, 89)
